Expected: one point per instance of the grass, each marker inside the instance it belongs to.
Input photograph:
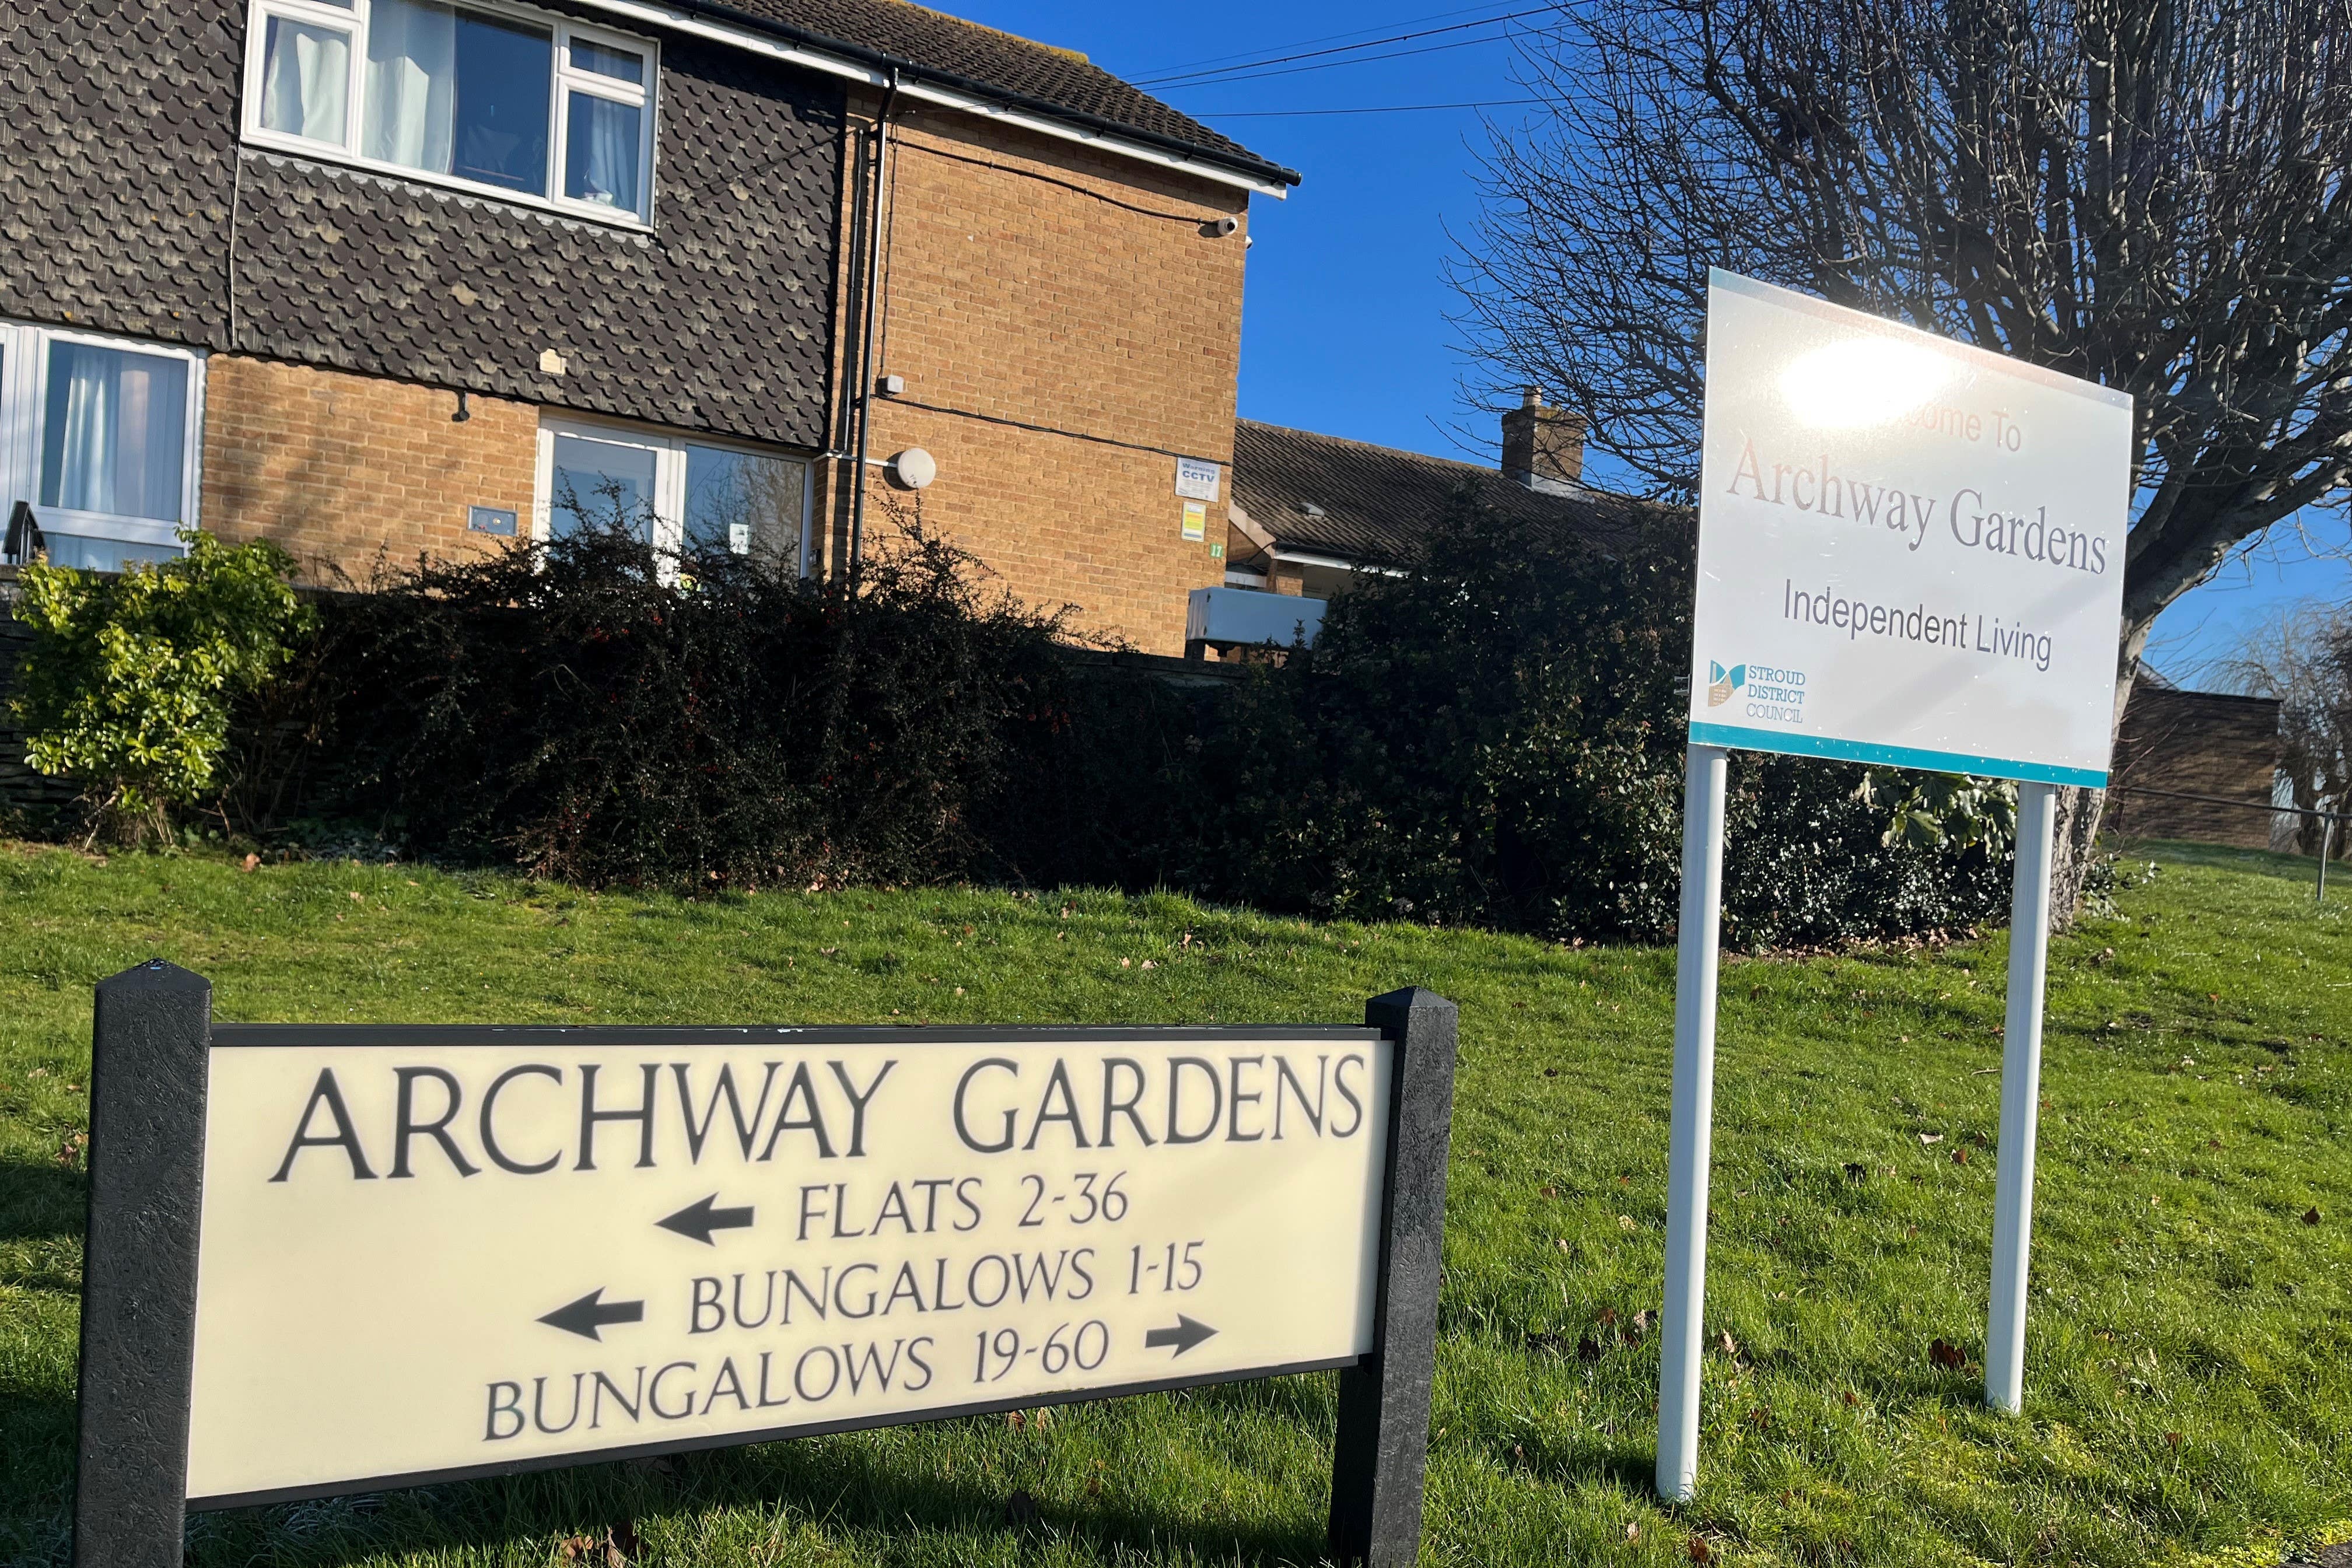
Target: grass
(2189, 1376)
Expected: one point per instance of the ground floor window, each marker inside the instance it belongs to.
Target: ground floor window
(683, 495)
(98, 441)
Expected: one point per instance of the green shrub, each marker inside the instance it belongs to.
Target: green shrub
(128, 685)
(1496, 739)
(562, 708)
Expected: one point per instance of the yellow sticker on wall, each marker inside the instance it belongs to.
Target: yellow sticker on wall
(1196, 519)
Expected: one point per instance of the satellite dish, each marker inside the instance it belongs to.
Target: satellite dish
(913, 469)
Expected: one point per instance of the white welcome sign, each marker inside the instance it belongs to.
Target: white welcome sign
(1911, 552)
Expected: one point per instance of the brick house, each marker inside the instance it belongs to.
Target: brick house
(2176, 743)
(1311, 515)
(377, 277)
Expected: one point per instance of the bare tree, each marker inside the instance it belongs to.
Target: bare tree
(2303, 657)
(2150, 193)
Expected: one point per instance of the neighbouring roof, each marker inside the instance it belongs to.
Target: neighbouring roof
(952, 52)
(1373, 504)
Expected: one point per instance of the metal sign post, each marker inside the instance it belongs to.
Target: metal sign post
(2020, 1098)
(1696, 961)
(325, 1260)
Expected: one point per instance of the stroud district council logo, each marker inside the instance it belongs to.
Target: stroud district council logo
(1722, 683)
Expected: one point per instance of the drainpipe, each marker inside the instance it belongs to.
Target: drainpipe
(866, 324)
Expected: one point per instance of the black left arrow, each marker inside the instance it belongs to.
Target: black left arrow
(1187, 1334)
(589, 1314)
(699, 1219)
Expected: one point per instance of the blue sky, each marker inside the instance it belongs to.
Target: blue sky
(1345, 327)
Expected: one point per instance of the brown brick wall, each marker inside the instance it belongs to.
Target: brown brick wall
(2195, 742)
(340, 469)
(1065, 328)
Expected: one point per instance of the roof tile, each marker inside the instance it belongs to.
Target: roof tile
(1375, 504)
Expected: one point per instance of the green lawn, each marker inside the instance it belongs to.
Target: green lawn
(2189, 1380)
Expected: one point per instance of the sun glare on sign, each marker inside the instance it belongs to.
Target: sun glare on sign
(1859, 382)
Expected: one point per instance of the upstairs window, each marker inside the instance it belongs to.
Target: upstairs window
(529, 106)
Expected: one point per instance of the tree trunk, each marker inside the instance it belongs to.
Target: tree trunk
(2075, 828)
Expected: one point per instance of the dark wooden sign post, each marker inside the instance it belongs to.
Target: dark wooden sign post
(327, 1260)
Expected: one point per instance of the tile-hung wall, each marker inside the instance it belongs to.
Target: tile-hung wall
(612, 226)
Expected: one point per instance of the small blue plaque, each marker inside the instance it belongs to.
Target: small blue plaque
(491, 519)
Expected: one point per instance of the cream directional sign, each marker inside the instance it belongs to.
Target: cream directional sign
(438, 1252)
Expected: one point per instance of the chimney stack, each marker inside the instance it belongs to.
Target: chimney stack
(1543, 449)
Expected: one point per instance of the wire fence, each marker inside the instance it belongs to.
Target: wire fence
(2333, 840)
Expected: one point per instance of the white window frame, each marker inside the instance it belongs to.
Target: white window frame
(24, 408)
(669, 479)
(563, 80)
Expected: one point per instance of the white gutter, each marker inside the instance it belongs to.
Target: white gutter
(648, 15)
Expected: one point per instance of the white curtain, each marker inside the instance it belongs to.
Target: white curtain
(604, 145)
(305, 80)
(412, 84)
(114, 432)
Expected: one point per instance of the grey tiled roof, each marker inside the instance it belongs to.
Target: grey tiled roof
(1375, 503)
(956, 52)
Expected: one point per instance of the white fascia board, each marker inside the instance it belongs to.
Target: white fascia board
(1302, 558)
(647, 14)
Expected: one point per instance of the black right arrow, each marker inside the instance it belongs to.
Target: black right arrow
(699, 1219)
(589, 1314)
(1184, 1336)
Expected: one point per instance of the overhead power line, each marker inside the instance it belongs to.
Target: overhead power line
(1187, 67)
(1247, 69)
(1378, 109)
(1325, 65)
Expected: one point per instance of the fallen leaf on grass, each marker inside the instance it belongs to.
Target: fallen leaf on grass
(1699, 1549)
(1946, 1354)
(1959, 1156)
(2311, 1217)
(1726, 1344)
(1931, 1138)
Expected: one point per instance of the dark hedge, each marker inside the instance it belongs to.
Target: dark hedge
(1495, 739)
